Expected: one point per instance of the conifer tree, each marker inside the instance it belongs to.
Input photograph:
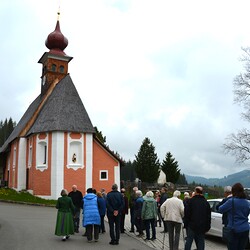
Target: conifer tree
(6, 129)
(170, 167)
(146, 162)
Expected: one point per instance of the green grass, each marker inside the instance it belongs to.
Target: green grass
(8, 194)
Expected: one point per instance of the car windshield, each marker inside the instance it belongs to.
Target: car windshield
(213, 206)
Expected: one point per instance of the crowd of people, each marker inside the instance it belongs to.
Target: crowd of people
(148, 211)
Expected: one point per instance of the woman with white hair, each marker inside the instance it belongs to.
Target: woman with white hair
(137, 210)
(172, 211)
(149, 214)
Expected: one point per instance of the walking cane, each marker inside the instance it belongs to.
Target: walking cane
(183, 233)
(163, 240)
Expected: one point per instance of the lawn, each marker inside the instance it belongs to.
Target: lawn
(8, 194)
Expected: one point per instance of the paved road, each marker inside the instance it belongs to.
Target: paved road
(24, 227)
(211, 243)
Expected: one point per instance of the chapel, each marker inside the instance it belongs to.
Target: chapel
(54, 145)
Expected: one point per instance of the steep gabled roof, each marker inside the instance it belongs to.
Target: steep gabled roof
(22, 123)
(62, 111)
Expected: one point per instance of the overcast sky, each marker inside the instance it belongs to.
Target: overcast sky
(157, 69)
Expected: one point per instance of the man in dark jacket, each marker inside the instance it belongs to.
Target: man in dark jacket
(132, 210)
(198, 218)
(124, 210)
(76, 197)
(163, 198)
(115, 204)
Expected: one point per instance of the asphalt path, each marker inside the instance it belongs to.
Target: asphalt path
(26, 227)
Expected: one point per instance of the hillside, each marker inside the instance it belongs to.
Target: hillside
(243, 177)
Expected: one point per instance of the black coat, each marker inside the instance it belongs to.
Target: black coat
(114, 201)
(76, 198)
(198, 214)
(163, 198)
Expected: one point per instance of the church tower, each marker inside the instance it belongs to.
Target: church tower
(55, 62)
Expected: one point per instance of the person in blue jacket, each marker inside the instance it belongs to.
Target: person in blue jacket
(237, 209)
(91, 216)
(138, 209)
(102, 210)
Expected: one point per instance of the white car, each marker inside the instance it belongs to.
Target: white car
(216, 219)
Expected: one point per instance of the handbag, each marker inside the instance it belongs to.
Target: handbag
(227, 232)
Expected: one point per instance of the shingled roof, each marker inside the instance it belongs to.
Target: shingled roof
(62, 111)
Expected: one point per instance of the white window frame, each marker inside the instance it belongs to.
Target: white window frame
(75, 149)
(30, 157)
(41, 145)
(14, 158)
(100, 176)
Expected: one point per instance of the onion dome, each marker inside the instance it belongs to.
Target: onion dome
(56, 41)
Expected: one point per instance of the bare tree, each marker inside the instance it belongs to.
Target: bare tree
(238, 144)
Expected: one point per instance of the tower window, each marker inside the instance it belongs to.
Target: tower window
(61, 69)
(53, 68)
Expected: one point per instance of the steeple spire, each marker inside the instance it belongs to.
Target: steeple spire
(56, 41)
(55, 62)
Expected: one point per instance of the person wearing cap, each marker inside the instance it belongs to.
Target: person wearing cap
(115, 204)
(172, 211)
(198, 218)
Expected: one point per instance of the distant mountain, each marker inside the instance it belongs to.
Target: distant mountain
(243, 177)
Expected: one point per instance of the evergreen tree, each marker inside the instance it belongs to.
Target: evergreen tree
(6, 129)
(182, 180)
(100, 136)
(146, 162)
(170, 167)
(128, 171)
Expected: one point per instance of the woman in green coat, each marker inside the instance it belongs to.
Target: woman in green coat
(149, 214)
(64, 221)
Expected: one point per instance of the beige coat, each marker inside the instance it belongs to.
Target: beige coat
(172, 210)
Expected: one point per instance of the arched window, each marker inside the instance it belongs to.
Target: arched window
(61, 69)
(41, 157)
(75, 153)
(53, 68)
